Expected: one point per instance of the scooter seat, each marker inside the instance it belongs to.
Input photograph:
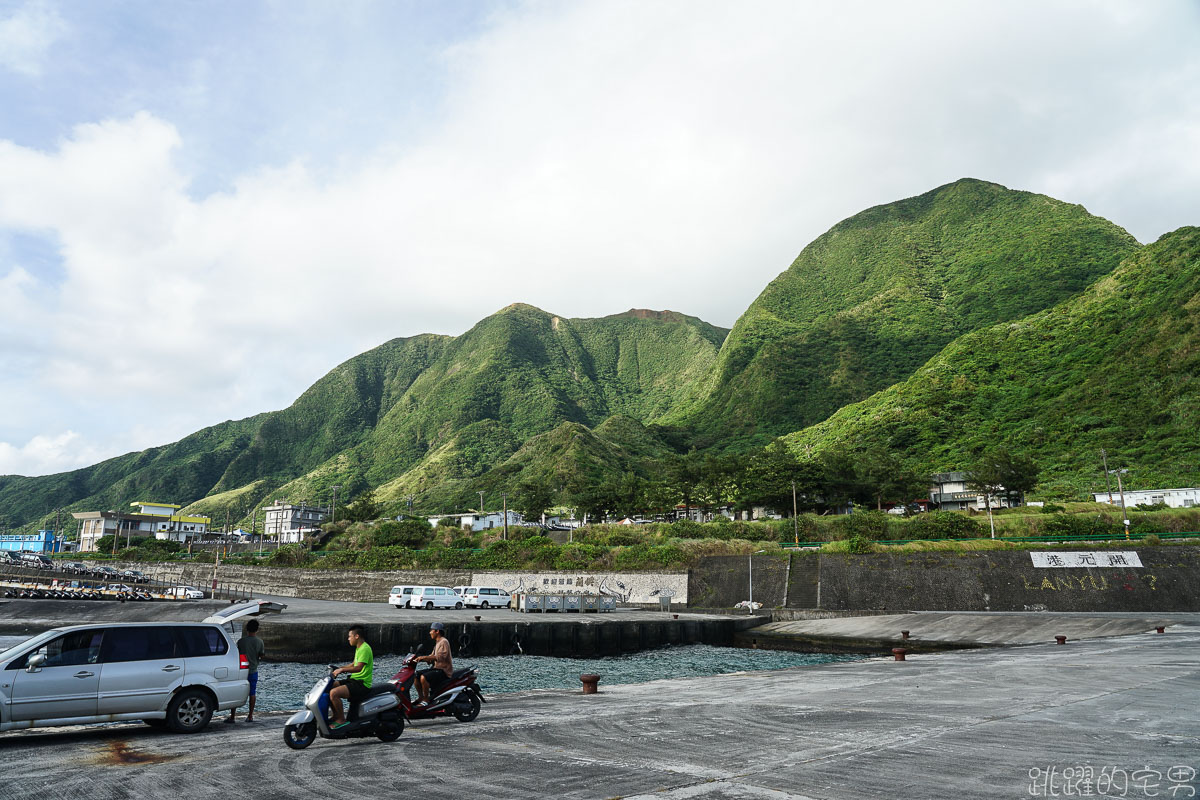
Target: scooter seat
(378, 689)
(460, 673)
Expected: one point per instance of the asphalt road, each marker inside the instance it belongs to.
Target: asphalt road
(998, 723)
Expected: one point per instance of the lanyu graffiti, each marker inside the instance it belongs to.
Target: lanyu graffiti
(627, 587)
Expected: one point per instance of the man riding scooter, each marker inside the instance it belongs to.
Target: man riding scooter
(361, 671)
(443, 665)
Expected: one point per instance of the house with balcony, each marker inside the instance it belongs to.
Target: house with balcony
(160, 520)
(949, 492)
(289, 523)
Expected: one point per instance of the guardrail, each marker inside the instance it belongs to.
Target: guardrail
(1083, 537)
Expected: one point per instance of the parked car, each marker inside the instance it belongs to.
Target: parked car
(400, 595)
(74, 567)
(168, 675)
(134, 575)
(485, 597)
(184, 592)
(118, 587)
(434, 597)
(8, 558)
(36, 560)
(105, 571)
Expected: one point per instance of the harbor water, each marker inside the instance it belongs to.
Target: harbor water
(282, 685)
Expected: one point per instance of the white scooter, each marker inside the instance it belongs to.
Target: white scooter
(378, 714)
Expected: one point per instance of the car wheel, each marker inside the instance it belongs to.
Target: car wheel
(466, 709)
(458, 605)
(190, 711)
(429, 606)
(389, 730)
(300, 736)
(397, 605)
(484, 604)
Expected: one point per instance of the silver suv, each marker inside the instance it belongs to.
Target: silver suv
(173, 675)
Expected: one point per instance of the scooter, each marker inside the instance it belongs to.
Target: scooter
(458, 697)
(378, 714)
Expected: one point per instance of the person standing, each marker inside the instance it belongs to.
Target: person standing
(361, 671)
(252, 648)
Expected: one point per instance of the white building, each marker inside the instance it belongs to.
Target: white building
(289, 523)
(481, 522)
(949, 492)
(1175, 498)
(161, 520)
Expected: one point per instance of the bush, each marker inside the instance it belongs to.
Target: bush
(413, 533)
(1052, 508)
(1152, 540)
(942, 525)
(289, 555)
(1097, 527)
(868, 525)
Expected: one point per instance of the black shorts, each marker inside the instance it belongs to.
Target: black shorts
(435, 677)
(358, 690)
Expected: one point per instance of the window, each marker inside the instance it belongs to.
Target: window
(201, 641)
(140, 643)
(73, 649)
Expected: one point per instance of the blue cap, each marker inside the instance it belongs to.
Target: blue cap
(437, 626)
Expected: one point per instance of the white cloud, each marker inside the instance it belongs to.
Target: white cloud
(591, 157)
(44, 454)
(26, 36)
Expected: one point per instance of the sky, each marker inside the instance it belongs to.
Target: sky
(206, 206)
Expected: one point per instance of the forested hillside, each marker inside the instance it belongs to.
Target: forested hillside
(1117, 367)
(880, 293)
(907, 339)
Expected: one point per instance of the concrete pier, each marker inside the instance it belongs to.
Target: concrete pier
(314, 631)
(1017, 722)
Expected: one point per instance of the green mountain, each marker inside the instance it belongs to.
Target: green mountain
(1115, 367)
(931, 327)
(880, 293)
(464, 404)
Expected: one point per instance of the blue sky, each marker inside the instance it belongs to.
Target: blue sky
(206, 206)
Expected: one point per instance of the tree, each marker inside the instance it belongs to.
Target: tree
(998, 472)
(532, 498)
(888, 478)
(364, 507)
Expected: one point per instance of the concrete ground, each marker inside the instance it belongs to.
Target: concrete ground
(995, 723)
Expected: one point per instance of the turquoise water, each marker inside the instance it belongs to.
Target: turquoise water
(281, 686)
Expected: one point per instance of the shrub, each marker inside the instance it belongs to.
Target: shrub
(942, 525)
(289, 555)
(1152, 540)
(868, 525)
(1053, 508)
(412, 533)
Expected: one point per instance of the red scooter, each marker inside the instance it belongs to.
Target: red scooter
(458, 697)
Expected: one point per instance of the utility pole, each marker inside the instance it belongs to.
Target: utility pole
(1124, 513)
(116, 531)
(254, 526)
(795, 518)
(334, 515)
(1107, 483)
(504, 504)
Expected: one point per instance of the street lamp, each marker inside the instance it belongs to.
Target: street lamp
(750, 561)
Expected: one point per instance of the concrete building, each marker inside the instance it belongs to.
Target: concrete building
(481, 522)
(950, 493)
(291, 524)
(40, 542)
(1175, 498)
(160, 520)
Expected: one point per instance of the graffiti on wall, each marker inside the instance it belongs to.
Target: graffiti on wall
(626, 587)
(1126, 582)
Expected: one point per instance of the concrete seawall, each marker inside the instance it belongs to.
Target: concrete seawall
(314, 631)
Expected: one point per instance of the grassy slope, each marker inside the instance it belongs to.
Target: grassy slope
(880, 293)
(1115, 367)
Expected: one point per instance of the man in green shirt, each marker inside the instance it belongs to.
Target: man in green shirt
(361, 671)
(252, 648)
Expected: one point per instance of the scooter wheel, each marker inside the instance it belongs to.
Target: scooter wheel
(300, 736)
(389, 730)
(466, 710)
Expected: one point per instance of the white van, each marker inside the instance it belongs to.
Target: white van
(400, 595)
(434, 597)
(485, 597)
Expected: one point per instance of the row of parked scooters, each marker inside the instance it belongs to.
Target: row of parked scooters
(72, 593)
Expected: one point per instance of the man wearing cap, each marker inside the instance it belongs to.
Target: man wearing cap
(443, 666)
